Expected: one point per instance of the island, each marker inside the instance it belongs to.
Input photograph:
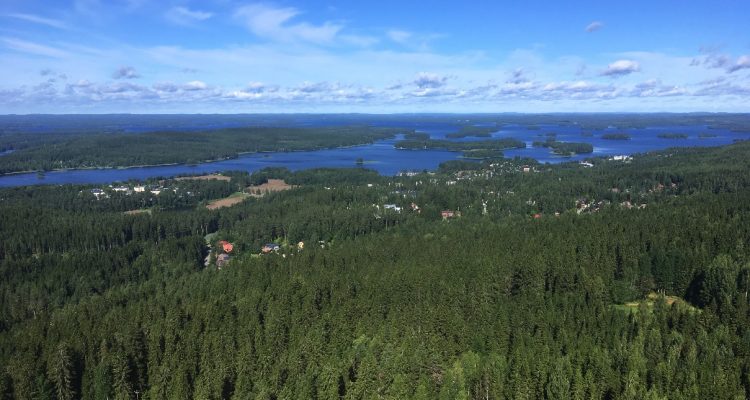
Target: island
(672, 136)
(565, 148)
(473, 131)
(616, 136)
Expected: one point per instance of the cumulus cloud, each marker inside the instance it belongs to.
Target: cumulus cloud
(195, 85)
(428, 80)
(426, 89)
(722, 87)
(125, 73)
(52, 74)
(742, 63)
(594, 26)
(185, 16)
(712, 58)
(274, 23)
(317, 87)
(621, 68)
(518, 76)
(655, 88)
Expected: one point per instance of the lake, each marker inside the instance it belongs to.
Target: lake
(383, 157)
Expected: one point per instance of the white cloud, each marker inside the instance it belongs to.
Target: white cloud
(196, 85)
(621, 67)
(428, 80)
(39, 20)
(125, 73)
(399, 36)
(594, 26)
(655, 88)
(273, 23)
(742, 63)
(32, 48)
(185, 16)
(518, 76)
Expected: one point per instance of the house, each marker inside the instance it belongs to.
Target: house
(222, 260)
(586, 164)
(139, 189)
(98, 193)
(226, 246)
(120, 189)
(538, 216)
(447, 214)
(392, 207)
(526, 168)
(269, 247)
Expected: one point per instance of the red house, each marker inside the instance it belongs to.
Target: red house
(226, 246)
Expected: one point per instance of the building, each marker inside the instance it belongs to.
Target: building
(98, 193)
(139, 189)
(537, 216)
(392, 207)
(447, 214)
(226, 246)
(222, 260)
(526, 168)
(269, 247)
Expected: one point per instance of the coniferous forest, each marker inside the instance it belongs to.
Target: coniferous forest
(505, 279)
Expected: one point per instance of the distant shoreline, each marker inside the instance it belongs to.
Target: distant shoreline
(242, 153)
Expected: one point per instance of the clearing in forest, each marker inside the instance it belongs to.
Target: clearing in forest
(233, 199)
(273, 185)
(651, 300)
(140, 211)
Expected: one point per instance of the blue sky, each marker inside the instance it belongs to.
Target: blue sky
(225, 56)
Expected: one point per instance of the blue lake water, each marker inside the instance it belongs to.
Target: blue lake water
(383, 157)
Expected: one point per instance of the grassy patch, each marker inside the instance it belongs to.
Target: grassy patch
(651, 300)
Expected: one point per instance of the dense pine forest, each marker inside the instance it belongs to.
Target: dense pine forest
(505, 279)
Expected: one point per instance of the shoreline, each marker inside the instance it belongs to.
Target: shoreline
(239, 154)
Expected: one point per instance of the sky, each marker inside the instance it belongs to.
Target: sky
(386, 56)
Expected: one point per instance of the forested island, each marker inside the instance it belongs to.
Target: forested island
(616, 136)
(565, 148)
(471, 130)
(109, 150)
(497, 279)
(672, 136)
